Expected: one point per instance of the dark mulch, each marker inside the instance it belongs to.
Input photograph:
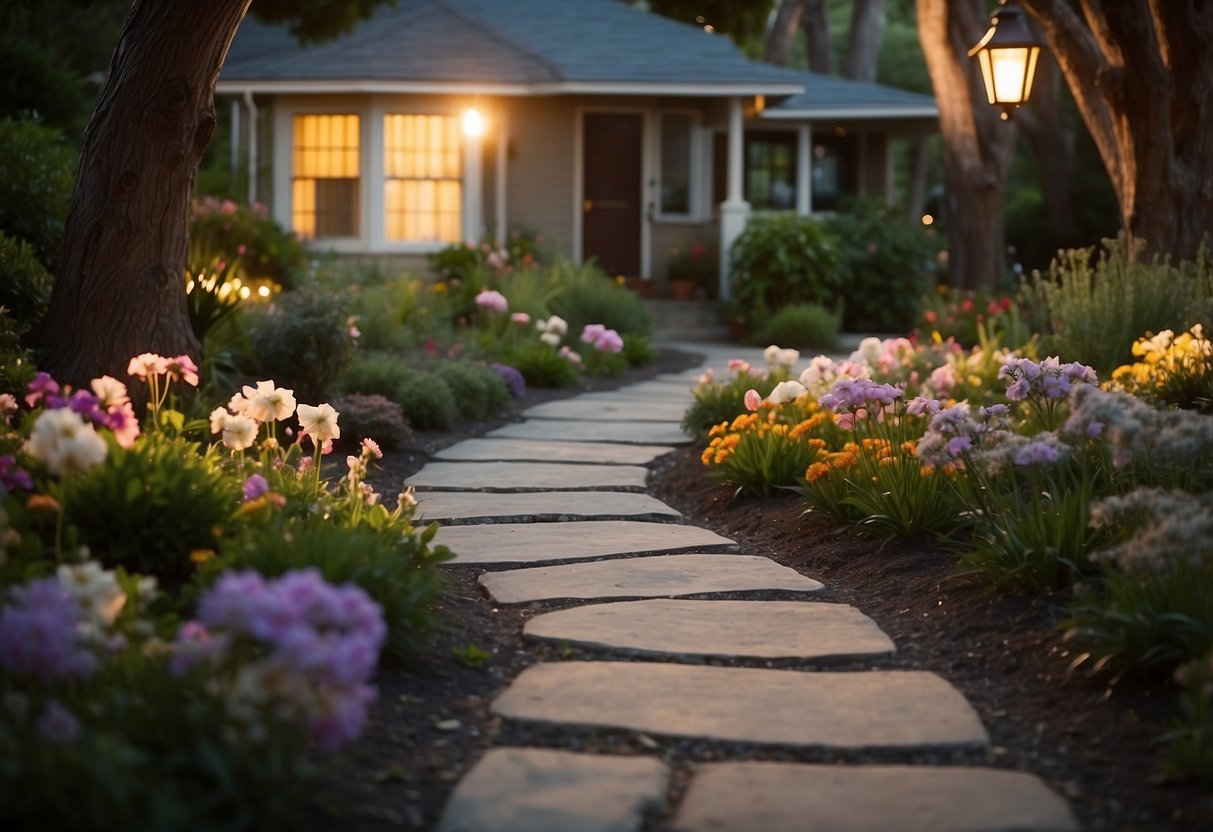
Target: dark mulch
(1091, 742)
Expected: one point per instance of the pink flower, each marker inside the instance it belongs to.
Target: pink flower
(571, 355)
(520, 318)
(492, 300)
(609, 341)
(182, 368)
(752, 400)
(146, 364)
(592, 332)
(371, 448)
(737, 365)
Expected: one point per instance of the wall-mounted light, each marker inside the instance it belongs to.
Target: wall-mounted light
(474, 124)
(1007, 56)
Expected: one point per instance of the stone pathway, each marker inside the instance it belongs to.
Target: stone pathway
(693, 643)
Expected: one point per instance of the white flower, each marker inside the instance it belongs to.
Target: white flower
(787, 358)
(238, 404)
(771, 354)
(96, 590)
(239, 432)
(219, 417)
(110, 391)
(869, 351)
(63, 442)
(267, 403)
(786, 391)
(319, 422)
(554, 325)
(550, 338)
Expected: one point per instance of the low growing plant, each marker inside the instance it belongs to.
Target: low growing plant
(802, 325)
(781, 259)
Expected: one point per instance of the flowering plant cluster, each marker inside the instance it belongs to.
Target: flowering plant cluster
(1171, 369)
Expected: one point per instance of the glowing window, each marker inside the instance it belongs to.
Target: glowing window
(324, 186)
(423, 166)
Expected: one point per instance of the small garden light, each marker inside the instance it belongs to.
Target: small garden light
(1007, 56)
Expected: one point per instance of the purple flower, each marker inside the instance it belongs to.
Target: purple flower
(958, 445)
(12, 477)
(1037, 452)
(87, 405)
(920, 406)
(512, 378)
(1095, 429)
(1019, 389)
(254, 487)
(40, 633)
(57, 724)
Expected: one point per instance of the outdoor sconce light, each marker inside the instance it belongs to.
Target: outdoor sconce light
(1007, 57)
(473, 123)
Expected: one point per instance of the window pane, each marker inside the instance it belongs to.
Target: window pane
(770, 175)
(325, 172)
(676, 163)
(423, 162)
(834, 174)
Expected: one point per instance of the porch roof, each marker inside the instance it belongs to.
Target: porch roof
(828, 96)
(520, 47)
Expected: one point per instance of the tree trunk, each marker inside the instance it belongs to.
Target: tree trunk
(1052, 145)
(1141, 72)
(919, 159)
(863, 47)
(120, 290)
(783, 32)
(816, 24)
(976, 144)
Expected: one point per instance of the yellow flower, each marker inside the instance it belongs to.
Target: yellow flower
(201, 556)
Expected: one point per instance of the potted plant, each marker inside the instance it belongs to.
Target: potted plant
(691, 271)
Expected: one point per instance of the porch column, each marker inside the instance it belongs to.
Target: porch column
(252, 146)
(503, 142)
(473, 196)
(804, 171)
(734, 211)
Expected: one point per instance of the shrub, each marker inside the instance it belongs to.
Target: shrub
(375, 373)
(372, 417)
(223, 230)
(25, 285)
(1189, 750)
(885, 264)
(587, 296)
(16, 362)
(1096, 307)
(479, 392)
(147, 508)
(34, 82)
(302, 341)
(1171, 370)
(802, 325)
(36, 172)
(638, 350)
(972, 318)
(782, 259)
(542, 366)
(428, 402)
(393, 564)
(719, 401)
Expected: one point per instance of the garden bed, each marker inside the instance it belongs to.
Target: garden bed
(1092, 742)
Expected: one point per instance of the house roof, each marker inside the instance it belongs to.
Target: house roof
(506, 47)
(828, 96)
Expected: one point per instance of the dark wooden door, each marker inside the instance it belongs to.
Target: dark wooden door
(610, 209)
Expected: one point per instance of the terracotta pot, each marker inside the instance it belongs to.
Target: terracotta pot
(640, 286)
(683, 288)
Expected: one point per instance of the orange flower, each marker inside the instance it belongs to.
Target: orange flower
(42, 502)
(816, 471)
(201, 556)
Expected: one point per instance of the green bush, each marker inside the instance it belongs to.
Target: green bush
(638, 350)
(479, 392)
(25, 286)
(885, 264)
(147, 508)
(781, 259)
(802, 325)
(428, 402)
(36, 171)
(34, 82)
(543, 366)
(375, 373)
(395, 569)
(585, 295)
(16, 362)
(722, 401)
(1095, 307)
(223, 230)
(302, 341)
(372, 417)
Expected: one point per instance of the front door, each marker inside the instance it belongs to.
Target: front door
(610, 208)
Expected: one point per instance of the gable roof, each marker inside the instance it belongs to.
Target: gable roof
(828, 96)
(506, 47)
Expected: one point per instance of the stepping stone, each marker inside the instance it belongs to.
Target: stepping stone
(790, 797)
(860, 710)
(531, 507)
(536, 542)
(645, 578)
(540, 790)
(527, 476)
(736, 629)
(639, 433)
(610, 410)
(540, 450)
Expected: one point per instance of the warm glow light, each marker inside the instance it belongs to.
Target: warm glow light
(244, 292)
(264, 291)
(473, 123)
(1007, 57)
(927, 219)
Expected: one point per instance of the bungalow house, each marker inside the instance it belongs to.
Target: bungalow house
(618, 134)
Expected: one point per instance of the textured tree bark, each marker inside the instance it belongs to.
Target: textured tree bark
(120, 288)
(1141, 72)
(816, 25)
(976, 144)
(863, 47)
(783, 32)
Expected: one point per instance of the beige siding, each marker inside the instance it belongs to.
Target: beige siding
(540, 179)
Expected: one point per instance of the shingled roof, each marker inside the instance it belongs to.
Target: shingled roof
(504, 46)
(828, 96)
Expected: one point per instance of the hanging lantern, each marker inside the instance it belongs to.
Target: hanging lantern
(1007, 57)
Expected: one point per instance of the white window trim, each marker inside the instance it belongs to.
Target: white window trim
(694, 214)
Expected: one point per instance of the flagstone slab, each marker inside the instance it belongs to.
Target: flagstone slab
(791, 797)
(541, 790)
(736, 629)
(527, 476)
(858, 710)
(541, 450)
(640, 433)
(538, 506)
(537, 542)
(611, 410)
(670, 575)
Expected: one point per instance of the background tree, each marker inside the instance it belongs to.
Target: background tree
(1141, 73)
(119, 290)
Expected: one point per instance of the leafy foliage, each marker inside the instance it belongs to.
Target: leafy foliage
(478, 391)
(301, 341)
(802, 325)
(36, 172)
(25, 286)
(372, 417)
(784, 258)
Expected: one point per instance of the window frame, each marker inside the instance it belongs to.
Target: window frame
(342, 241)
(694, 164)
(464, 148)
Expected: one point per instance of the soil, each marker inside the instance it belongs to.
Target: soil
(1091, 741)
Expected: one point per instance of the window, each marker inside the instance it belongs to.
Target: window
(324, 186)
(769, 177)
(833, 171)
(423, 192)
(676, 134)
